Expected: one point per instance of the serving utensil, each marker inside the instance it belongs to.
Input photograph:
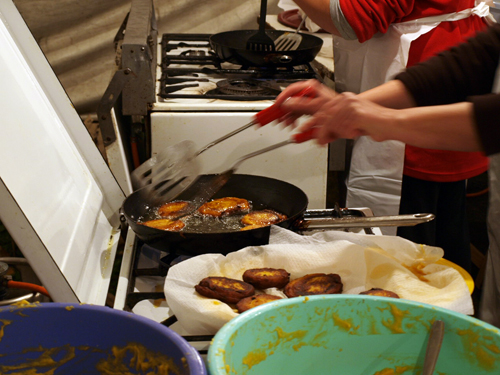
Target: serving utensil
(174, 169)
(260, 41)
(290, 41)
(433, 347)
(202, 190)
(218, 181)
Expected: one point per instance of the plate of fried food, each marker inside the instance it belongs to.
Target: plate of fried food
(207, 291)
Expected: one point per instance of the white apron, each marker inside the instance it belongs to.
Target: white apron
(489, 308)
(377, 167)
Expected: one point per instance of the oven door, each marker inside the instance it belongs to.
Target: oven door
(59, 200)
(303, 165)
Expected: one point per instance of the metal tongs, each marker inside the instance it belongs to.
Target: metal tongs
(205, 190)
(175, 169)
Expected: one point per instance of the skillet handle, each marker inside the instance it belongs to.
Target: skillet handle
(275, 112)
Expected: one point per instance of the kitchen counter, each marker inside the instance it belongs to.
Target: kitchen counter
(323, 62)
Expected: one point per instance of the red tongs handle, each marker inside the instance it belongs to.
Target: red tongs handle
(304, 136)
(275, 112)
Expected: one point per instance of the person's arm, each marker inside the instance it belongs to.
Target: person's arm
(355, 19)
(319, 12)
(385, 112)
(447, 127)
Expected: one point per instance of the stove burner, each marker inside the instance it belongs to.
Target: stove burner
(195, 53)
(191, 55)
(244, 87)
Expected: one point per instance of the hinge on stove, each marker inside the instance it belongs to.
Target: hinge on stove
(136, 57)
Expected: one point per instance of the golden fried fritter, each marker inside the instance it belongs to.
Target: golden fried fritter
(224, 206)
(250, 227)
(263, 278)
(380, 292)
(165, 224)
(314, 283)
(253, 301)
(263, 218)
(224, 289)
(171, 209)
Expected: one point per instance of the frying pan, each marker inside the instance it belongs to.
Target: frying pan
(263, 192)
(231, 46)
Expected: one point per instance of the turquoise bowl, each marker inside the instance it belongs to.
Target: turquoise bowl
(350, 335)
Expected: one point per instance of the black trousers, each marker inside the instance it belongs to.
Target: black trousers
(450, 229)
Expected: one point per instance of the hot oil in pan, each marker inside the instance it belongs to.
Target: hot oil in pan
(199, 223)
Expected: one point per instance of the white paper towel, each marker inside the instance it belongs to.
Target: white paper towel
(362, 261)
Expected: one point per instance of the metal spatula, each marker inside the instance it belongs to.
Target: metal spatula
(290, 41)
(208, 189)
(260, 41)
(175, 167)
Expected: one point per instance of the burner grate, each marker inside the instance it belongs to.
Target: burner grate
(187, 59)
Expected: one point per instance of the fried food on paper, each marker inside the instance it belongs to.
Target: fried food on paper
(313, 284)
(263, 278)
(165, 224)
(171, 209)
(263, 218)
(224, 289)
(379, 292)
(225, 206)
(254, 301)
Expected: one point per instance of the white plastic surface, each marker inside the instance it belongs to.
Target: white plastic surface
(60, 202)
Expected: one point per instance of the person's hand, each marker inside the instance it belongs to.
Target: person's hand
(297, 106)
(335, 115)
(348, 116)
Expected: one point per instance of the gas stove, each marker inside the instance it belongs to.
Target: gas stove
(174, 87)
(191, 69)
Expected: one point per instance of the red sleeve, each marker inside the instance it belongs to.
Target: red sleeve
(367, 17)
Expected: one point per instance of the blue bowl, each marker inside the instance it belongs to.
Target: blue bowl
(350, 335)
(86, 339)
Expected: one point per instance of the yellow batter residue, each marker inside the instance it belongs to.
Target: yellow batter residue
(4, 323)
(25, 303)
(479, 349)
(418, 270)
(396, 324)
(69, 308)
(254, 358)
(397, 371)
(134, 358)
(292, 338)
(343, 324)
(41, 361)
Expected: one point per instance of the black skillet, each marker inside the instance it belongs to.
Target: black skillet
(263, 192)
(231, 46)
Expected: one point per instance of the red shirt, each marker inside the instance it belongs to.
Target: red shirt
(368, 17)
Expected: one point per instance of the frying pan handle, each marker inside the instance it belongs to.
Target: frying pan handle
(275, 112)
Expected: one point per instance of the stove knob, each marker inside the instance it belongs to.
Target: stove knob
(285, 59)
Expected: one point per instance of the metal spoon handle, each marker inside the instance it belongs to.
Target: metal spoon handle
(433, 347)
